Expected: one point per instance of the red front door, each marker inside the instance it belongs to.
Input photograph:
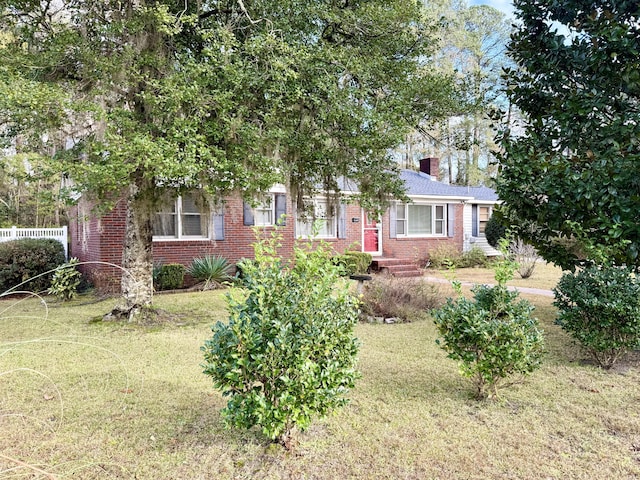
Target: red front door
(371, 233)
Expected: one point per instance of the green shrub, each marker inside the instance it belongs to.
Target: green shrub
(170, 276)
(157, 267)
(402, 298)
(244, 267)
(212, 270)
(25, 260)
(447, 255)
(65, 281)
(288, 352)
(600, 308)
(493, 336)
(444, 255)
(472, 258)
(495, 230)
(354, 262)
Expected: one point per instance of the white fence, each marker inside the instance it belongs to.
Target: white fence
(15, 233)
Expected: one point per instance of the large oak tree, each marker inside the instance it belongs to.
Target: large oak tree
(570, 173)
(140, 97)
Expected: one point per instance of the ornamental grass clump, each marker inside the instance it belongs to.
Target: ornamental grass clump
(600, 308)
(493, 336)
(213, 270)
(288, 352)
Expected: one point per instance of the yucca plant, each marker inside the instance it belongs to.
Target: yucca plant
(213, 270)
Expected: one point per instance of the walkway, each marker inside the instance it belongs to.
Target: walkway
(532, 291)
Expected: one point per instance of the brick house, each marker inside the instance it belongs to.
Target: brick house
(182, 231)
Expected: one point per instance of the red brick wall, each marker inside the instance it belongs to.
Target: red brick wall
(237, 243)
(419, 248)
(101, 240)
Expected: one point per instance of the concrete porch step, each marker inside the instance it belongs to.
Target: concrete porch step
(378, 263)
(397, 267)
(407, 273)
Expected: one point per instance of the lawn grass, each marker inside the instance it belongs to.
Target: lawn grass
(96, 400)
(545, 276)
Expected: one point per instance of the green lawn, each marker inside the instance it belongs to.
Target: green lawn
(108, 400)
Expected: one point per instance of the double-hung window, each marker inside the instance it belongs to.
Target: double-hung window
(181, 219)
(264, 212)
(318, 219)
(421, 220)
(484, 213)
(268, 210)
(480, 215)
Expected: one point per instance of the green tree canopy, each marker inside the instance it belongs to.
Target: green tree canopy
(570, 174)
(143, 96)
(473, 53)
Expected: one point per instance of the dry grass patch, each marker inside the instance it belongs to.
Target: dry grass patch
(545, 276)
(110, 400)
(405, 299)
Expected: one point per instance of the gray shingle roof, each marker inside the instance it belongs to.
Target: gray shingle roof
(421, 184)
(483, 193)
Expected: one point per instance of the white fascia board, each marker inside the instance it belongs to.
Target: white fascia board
(485, 202)
(440, 198)
(278, 188)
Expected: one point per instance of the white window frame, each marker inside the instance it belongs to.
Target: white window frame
(402, 220)
(178, 219)
(481, 233)
(304, 227)
(266, 206)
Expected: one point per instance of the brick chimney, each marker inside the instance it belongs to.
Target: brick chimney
(430, 166)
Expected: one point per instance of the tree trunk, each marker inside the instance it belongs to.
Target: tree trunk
(449, 153)
(137, 257)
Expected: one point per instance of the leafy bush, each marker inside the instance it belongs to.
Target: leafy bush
(444, 255)
(170, 276)
(65, 281)
(288, 352)
(447, 255)
(600, 308)
(402, 298)
(157, 267)
(472, 258)
(354, 262)
(493, 336)
(495, 230)
(244, 267)
(213, 270)
(26, 259)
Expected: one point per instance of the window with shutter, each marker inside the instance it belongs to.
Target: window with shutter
(421, 220)
(181, 219)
